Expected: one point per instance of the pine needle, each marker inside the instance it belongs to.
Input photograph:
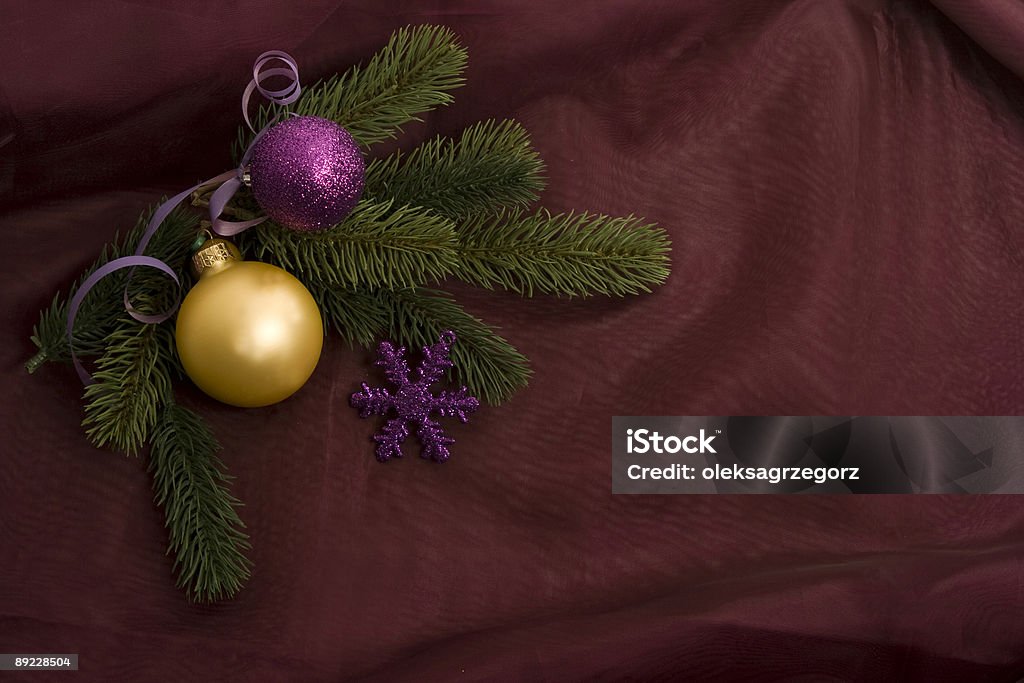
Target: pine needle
(103, 308)
(201, 515)
(490, 166)
(568, 254)
(411, 75)
(375, 246)
(132, 384)
(485, 362)
(491, 367)
(359, 317)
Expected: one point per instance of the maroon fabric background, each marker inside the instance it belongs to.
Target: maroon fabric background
(842, 182)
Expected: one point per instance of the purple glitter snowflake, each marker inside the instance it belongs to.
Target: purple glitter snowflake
(413, 402)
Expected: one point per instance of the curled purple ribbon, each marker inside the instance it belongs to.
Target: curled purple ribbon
(229, 181)
(284, 96)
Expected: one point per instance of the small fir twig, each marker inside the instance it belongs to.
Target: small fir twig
(490, 166)
(206, 533)
(377, 245)
(103, 308)
(132, 384)
(484, 361)
(565, 254)
(411, 75)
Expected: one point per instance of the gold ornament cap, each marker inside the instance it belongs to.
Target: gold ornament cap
(213, 256)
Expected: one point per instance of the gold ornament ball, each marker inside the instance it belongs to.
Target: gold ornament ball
(248, 333)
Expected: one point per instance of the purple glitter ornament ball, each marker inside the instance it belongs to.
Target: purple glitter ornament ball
(307, 173)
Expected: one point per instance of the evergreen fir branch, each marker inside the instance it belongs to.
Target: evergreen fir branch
(485, 362)
(573, 254)
(375, 246)
(103, 308)
(359, 317)
(132, 384)
(450, 207)
(206, 535)
(411, 75)
(49, 334)
(490, 166)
